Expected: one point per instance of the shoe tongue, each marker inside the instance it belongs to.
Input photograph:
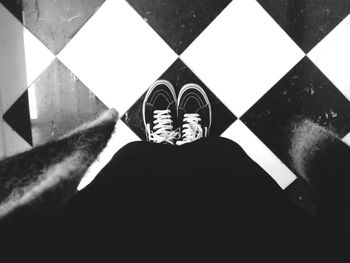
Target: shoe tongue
(162, 103)
(172, 106)
(202, 110)
(192, 105)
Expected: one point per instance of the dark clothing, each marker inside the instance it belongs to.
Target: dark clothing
(205, 199)
(330, 177)
(241, 208)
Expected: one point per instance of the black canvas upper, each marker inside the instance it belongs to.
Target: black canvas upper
(193, 101)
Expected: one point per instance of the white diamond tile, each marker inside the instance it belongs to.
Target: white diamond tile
(346, 139)
(332, 56)
(22, 58)
(260, 153)
(37, 56)
(122, 135)
(242, 54)
(117, 55)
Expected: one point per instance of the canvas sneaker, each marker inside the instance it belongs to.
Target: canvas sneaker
(159, 113)
(194, 113)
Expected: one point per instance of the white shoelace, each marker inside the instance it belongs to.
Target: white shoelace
(163, 128)
(191, 129)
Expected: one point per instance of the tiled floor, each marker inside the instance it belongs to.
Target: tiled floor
(264, 64)
(179, 74)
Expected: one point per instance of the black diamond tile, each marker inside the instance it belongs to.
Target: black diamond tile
(307, 22)
(303, 93)
(18, 117)
(14, 6)
(56, 22)
(179, 22)
(179, 75)
(59, 103)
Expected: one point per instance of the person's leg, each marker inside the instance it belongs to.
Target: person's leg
(207, 169)
(250, 210)
(323, 160)
(210, 169)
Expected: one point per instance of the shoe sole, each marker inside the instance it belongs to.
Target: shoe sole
(149, 91)
(201, 90)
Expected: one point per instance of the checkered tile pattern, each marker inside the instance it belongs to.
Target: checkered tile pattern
(263, 62)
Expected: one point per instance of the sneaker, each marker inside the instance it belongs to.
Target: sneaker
(159, 112)
(194, 113)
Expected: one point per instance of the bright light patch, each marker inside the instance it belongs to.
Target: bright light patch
(33, 107)
(120, 137)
